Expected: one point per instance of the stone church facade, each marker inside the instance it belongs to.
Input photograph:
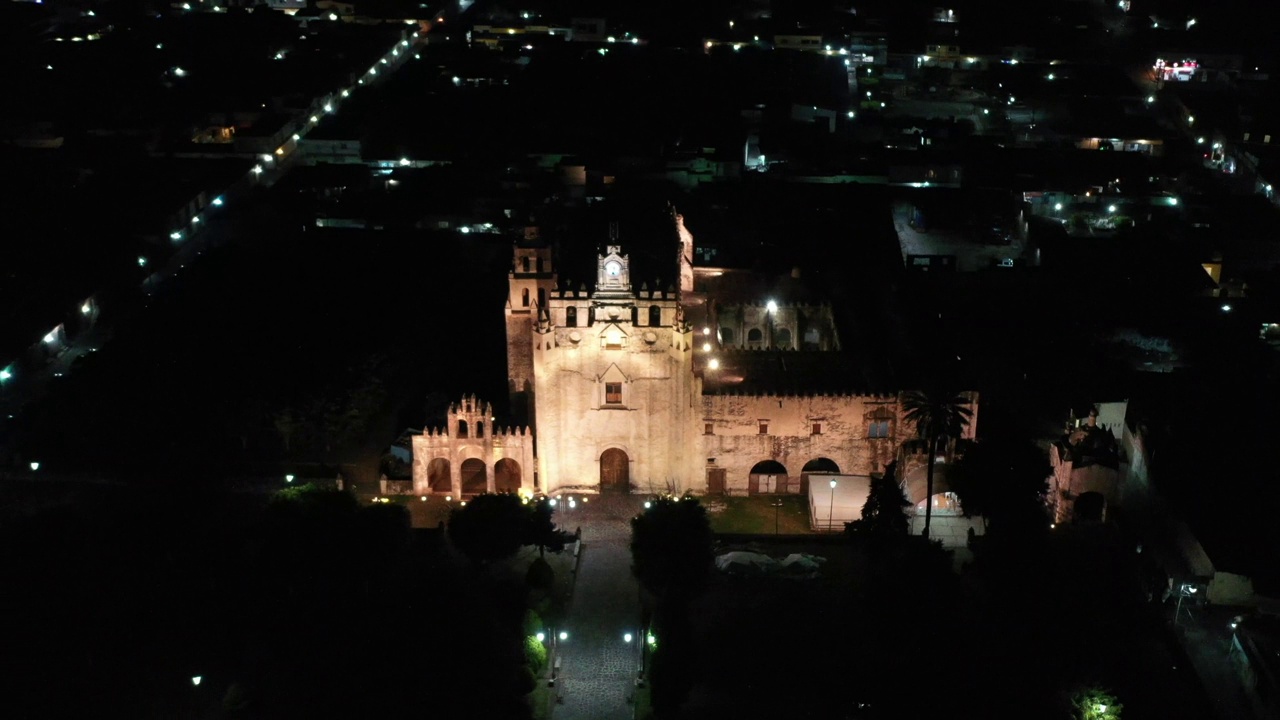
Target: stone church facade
(712, 386)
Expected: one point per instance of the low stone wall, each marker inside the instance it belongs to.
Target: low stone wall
(395, 487)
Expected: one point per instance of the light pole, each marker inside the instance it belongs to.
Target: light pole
(777, 505)
(831, 509)
(1185, 590)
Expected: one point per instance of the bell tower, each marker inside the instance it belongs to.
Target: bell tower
(529, 285)
(613, 274)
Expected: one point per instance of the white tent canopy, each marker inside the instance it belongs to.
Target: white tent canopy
(830, 508)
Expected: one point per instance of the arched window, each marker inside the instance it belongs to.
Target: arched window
(571, 316)
(726, 336)
(782, 339)
(542, 297)
(524, 264)
(655, 316)
(524, 297)
(462, 428)
(479, 429)
(812, 340)
(755, 338)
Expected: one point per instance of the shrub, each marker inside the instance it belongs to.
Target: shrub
(535, 654)
(540, 576)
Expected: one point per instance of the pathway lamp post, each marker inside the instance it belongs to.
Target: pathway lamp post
(831, 509)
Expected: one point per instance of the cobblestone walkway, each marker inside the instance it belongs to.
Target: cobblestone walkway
(598, 668)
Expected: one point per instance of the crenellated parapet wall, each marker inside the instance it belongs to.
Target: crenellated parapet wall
(849, 433)
(469, 455)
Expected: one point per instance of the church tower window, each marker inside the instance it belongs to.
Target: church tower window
(524, 297)
(542, 297)
(462, 428)
(571, 317)
(524, 264)
(613, 393)
(655, 316)
(479, 429)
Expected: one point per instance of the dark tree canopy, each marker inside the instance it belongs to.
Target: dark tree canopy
(541, 531)
(884, 513)
(671, 547)
(1004, 481)
(489, 527)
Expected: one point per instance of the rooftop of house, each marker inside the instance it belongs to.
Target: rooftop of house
(744, 287)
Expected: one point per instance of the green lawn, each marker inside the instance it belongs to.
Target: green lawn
(755, 515)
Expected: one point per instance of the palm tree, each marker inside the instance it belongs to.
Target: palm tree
(938, 415)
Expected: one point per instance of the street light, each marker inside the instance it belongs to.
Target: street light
(34, 466)
(196, 679)
(626, 637)
(288, 478)
(1057, 206)
(541, 637)
(771, 306)
(777, 505)
(563, 636)
(831, 510)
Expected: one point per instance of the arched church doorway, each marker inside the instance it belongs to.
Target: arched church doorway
(820, 465)
(615, 470)
(473, 477)
(1090, 507)
(767, 476)
(439, 479)
(816, 466)
(506, 475)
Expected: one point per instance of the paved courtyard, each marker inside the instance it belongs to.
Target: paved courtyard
(598, 668)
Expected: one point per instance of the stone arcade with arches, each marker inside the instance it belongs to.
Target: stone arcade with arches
(729, 381)
(469, 456)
